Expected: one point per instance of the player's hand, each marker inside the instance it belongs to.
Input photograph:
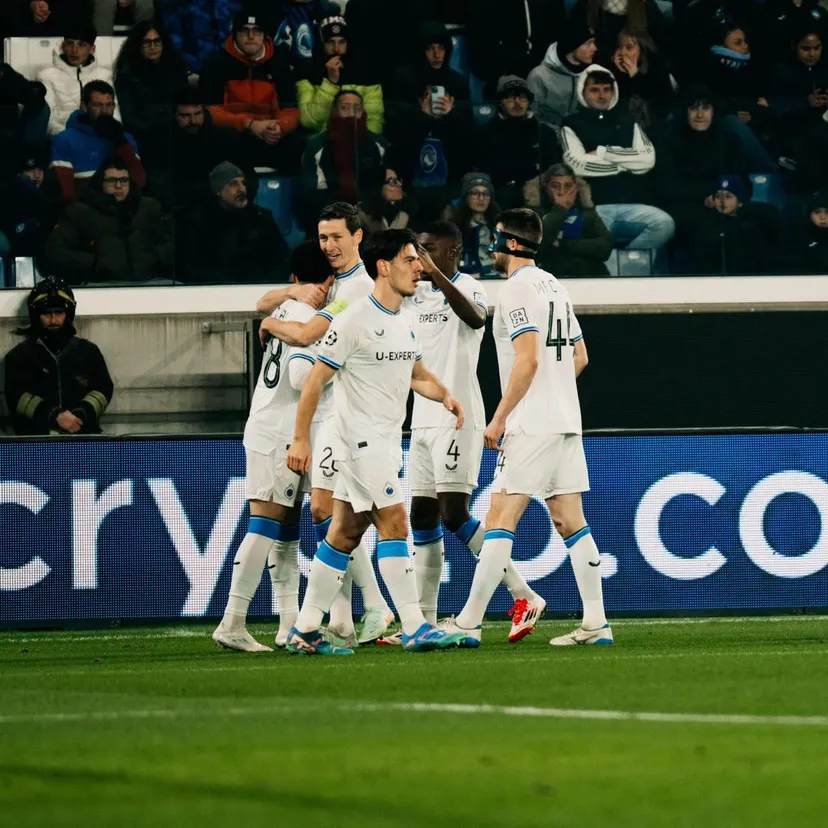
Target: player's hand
(68, 422)
(429, 268)
(493, 433)
(584, 193)
(265, 332)
(452, 405)
(299, 456)
(313, 295)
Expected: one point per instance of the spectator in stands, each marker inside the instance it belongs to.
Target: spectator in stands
(107, 14)
(197, 28)
(807, 249)
(605, 146)
(644, 84)
(249, 86)
(148, 73)
(92, 135)
(736, 236)
(73, 66)
(799, 90)
(608, 17)
(179, 163)
(335, 68)
(56, 382)
(24, 114)
(113, 234)
(555, 82)
(475, 213)
(740, 83)
(510, 37)
(30, 204)
(336, 164)
(513, 144)
(793, 18)
(229, 238)
(429, 120)
(49, 18)
(575, 240)
(387, 207)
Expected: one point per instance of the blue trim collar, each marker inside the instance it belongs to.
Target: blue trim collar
(382, 307)
(351, 272)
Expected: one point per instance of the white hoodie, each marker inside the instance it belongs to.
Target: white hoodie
(554, 85)
(63, 88)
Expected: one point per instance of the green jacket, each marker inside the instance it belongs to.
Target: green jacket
(574, 257)
(315, 104)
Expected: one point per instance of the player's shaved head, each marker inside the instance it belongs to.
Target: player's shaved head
(309, 264)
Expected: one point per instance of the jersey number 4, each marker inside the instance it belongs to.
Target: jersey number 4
(273, 367)
(454, 452)
(558, 340)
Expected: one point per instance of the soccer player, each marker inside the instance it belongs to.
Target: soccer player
(274, 492)
(540, 351)
(450, 312)
(340, 234)
(371, 350)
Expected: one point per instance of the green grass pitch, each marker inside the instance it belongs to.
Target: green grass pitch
(157, 727)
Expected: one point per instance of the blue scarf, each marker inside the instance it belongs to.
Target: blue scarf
(573, 226)
(731, 59)
(298, 30)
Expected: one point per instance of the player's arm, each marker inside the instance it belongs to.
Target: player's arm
(299, 454)
(424, 383)
(298, 334)
(523, 372)
(580, 356)
(313, 295)
(471, 312)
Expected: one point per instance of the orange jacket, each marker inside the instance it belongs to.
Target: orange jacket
(239, 90)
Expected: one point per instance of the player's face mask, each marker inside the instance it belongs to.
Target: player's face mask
(499, 244)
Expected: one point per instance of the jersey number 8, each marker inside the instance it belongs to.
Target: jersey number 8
(273, 367)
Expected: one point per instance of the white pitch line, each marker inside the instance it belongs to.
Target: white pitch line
(177, 632)
(424, 707)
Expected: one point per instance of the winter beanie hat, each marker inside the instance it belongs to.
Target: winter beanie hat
(222, 174)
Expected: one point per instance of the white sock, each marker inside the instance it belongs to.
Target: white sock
(366, 579)
(283, 565)
(398, 573)
(584, 553)
(473, 530)
(324, 580)
(428, 566)
(247, 570)
(497, 548)
(342, 613)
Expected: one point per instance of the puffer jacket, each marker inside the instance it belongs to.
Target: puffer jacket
(63, 88)
(239, 90)
(101, 240)
(555, 87)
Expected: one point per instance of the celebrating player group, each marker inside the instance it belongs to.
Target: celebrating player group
(326, 419)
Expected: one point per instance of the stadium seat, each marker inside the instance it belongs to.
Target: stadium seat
(277, 195)
(476, 90)
(768, 189)
(28, 55)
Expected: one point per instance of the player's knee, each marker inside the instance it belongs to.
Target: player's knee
(425, 513)
(455, 513)
(319, 513)
(393, 523)
(566, 525)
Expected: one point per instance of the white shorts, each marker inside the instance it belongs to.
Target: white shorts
(324, 469)
(541, 465)
(268, 477)
(370, 476)
(443, 459)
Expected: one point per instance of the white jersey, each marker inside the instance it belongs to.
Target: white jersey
(273, 408)
(349, 287)
(451, 350)
(373, 351)
(534, 300)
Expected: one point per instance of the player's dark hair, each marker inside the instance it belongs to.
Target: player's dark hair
(308, 263)
(522, 222)
(600, 77)
(444, 229)
(99, 86)
(342, 210)
(385, 246)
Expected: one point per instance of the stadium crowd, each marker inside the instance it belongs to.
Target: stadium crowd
(690, 133)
